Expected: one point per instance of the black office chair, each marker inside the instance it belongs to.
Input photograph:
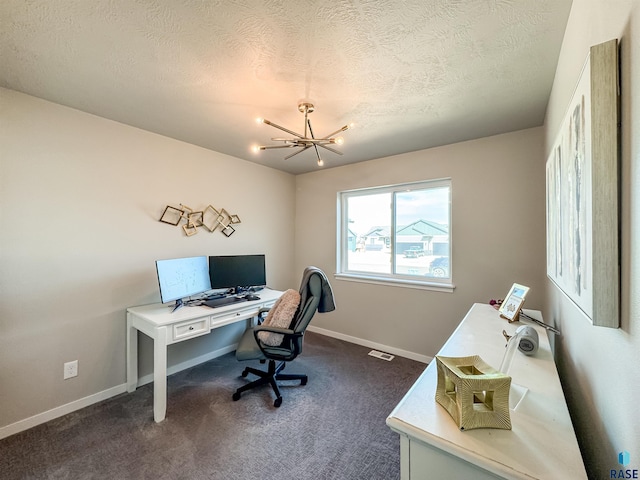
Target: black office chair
(315, 295)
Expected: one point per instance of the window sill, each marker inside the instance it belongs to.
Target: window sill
(396, 282)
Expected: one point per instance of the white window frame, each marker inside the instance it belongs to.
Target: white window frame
(398, 280)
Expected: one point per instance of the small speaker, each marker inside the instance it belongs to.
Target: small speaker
(528, 343)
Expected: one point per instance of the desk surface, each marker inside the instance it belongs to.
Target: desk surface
(541, 444)
(160, 314)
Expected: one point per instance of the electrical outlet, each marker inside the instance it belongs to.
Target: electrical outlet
(70, 369)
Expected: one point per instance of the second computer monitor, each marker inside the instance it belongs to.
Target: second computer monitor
(233, 271)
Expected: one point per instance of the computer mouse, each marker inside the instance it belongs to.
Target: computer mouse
(252, 297)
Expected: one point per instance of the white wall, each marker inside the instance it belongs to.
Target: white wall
(80, 199)
(599, 366)
(497, 229)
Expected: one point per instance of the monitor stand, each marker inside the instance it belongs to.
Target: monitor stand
(179, 304)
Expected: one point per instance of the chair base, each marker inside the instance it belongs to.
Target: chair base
(271, 377)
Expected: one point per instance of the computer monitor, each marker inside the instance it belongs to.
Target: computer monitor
(237, 271)
(179, 278)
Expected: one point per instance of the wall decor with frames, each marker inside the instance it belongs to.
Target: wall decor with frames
(209, 218)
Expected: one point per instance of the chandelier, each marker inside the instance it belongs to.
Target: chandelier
(306, 141)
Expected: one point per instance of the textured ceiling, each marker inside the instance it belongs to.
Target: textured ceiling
(410, 74)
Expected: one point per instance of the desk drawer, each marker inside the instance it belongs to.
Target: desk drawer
(269, 304)
(190, 329)
(234, 316)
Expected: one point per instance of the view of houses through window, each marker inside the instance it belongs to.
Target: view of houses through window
(400, 231)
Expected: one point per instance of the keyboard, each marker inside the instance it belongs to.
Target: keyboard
(220, 302)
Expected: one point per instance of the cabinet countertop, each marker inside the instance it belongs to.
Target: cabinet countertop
(542, 442)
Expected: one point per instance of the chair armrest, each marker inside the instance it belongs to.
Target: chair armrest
(287, 350)
(268, 328)
(261, 313)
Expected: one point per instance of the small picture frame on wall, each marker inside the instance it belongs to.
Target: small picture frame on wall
(512, 304)
(172, 215)
(210, 218)
(228, 230)
(194, 219)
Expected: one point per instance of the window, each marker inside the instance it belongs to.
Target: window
(397, 234)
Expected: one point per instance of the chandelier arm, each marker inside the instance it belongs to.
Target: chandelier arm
(317, 153)
(346, 127)
(296, 153)
(330, 149)
(268, 147)
(308, 122)
(279, 127)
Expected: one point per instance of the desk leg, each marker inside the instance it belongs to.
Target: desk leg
(132, 355)
(160, 374)
(405, 467)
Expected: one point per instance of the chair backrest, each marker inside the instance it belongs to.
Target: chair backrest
(311, 294)
(311, 301)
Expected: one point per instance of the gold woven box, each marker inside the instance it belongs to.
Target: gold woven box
(475, 394)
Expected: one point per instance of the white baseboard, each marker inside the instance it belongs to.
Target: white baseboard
(190, 363)
(54, 413)
(366, 343)
(70, 407)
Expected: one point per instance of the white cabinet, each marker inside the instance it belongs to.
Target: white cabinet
(541, 443)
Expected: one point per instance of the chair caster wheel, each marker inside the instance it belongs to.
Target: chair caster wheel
(244, 374)
(278, 402)
(236, 396)
(304, 381)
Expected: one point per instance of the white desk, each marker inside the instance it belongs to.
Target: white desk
(541, 444)
(165, 328)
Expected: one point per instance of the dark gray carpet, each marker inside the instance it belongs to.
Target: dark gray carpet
(332, 428)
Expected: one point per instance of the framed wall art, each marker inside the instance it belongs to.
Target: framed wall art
(582, 179)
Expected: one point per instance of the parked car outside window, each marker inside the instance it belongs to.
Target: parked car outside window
(439, 267)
